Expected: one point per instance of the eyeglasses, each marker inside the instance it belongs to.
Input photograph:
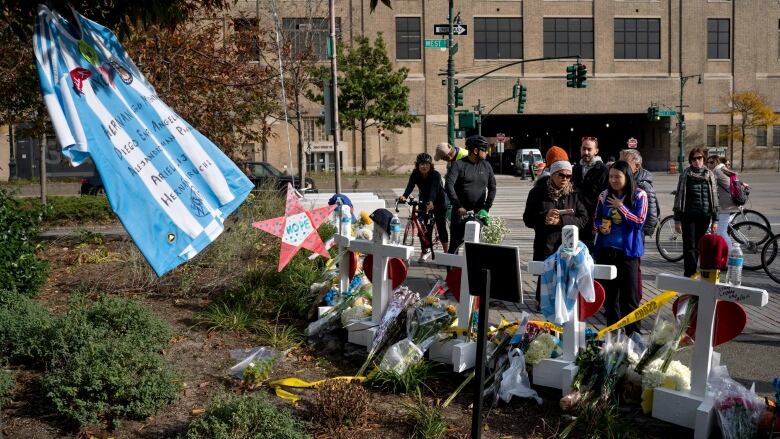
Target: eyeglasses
(564, 176)
(698, 157)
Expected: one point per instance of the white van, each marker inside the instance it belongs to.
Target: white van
(525, 158)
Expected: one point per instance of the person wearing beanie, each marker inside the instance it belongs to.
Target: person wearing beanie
(552, 203)
(470, 185)
(590, 178)
(554, 154)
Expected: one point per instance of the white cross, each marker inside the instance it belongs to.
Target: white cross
(459, 352)
(362, 333)
(693, 409)
(559, 372)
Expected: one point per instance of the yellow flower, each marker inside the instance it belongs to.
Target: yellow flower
(451, 310)
(430, 300)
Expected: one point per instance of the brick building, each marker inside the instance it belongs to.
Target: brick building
(636, 52)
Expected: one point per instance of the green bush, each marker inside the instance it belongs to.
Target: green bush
(246, 417)
(69, 210)
(23, 322)
(20, 270)
(103, 363)
(288, 292)
(7, 386)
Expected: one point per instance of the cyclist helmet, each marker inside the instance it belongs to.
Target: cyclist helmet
(477, 142)
(423, 157)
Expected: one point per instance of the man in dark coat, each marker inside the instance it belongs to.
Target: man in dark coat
(590, 178)
(552, 203)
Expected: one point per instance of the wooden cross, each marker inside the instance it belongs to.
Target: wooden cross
(693, 409)
(559, 372)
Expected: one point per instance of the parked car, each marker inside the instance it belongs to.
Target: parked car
(92, 185)
(524, 158)
(262, 172)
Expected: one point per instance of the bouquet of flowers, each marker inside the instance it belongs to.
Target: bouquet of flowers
(739, 409)
(677, 376)
(543, 346)
(359, 292)
(403, 298)
(424, 324)
(661, 338)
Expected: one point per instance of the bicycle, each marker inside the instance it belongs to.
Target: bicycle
(669, 242)
(419, 225)
(769, 258)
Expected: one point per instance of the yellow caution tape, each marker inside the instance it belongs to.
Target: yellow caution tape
(640, 313)
(299, 383)
(550, 326)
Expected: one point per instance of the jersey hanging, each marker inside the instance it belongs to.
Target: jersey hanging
(171, 187)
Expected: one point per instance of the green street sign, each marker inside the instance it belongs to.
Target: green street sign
(666, 113)
(436, 44)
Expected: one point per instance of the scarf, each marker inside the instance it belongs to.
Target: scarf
(555, 193)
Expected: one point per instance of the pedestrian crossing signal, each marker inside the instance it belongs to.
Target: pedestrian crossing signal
(521, 97)
(582, 75)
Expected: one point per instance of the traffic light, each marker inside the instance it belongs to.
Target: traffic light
(571, 76)
(515, 91)
(582, 75)
(521, 97)
(652, 113)
(458, 97)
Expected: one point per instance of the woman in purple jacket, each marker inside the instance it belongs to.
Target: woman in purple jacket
(619, 216)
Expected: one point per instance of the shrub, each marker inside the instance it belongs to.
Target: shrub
(70, 210)
(7, 386)
(104, 363)
(23, 322)
(246, 417)
(427, 420)
(341, 403)
(20, 270)
(288, 291)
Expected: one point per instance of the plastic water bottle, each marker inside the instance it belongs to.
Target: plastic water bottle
(395, 230)
(736, 260)
(346, 220)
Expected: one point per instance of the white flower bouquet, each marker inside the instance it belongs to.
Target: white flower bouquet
(541, 347)
(676, 377)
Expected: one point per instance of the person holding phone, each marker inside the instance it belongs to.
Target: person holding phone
(552, 203)
(620, 213)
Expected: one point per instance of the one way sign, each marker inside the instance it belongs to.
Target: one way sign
(444, 29)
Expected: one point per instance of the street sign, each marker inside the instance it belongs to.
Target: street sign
(500, 137)
(666, 113)
(632, 143)
(436, 44)
(444, 29)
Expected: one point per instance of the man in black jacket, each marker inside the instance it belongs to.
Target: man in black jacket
(590, 178)
(467, 183)
(643, 179)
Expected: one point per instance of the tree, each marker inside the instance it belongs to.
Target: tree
(206, 78)
(752, 111)
(371, 93)
(374, 4)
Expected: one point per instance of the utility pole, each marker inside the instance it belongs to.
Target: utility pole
(681, 123)
(334, 93)
(450, 80)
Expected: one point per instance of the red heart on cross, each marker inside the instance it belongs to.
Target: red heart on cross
(397, 269)
(453, 281)
(730, 321)
(588, 309)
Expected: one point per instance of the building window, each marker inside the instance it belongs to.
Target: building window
(247, 39)
(313, 131)
(723, 139)
(568, 37)
(775, 135)
(761, 135)
(637, 38)
(711, 136)
(309, 34)
(718, 38)
(407, 38)
(498, 38)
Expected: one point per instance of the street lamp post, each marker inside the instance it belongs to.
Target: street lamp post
(450, 79)
(681, 119)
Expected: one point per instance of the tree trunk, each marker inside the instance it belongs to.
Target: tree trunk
(742, 153)
(301, 158)
(363, 145)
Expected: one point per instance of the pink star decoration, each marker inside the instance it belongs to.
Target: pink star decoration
(297, 228)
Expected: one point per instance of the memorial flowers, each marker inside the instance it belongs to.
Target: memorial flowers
(541, 347)
(739, 409)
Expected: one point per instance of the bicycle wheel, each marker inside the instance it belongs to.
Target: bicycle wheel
(409, 233)
(750, 215)
(770, 259)
(668, 241)
(751, 236)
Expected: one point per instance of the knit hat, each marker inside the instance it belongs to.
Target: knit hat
(442, 151)
(382, 217)
(559, 165)
(555, 154)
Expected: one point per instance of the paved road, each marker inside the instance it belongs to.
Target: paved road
(760, 342)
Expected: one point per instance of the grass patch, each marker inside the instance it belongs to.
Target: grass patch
(64, 211)
(226, 317)
(411, 381)
(246, 417)
(426, 417)
(7, 386)
(277, 335)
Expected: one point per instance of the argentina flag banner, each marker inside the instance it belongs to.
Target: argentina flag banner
(170, 186)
